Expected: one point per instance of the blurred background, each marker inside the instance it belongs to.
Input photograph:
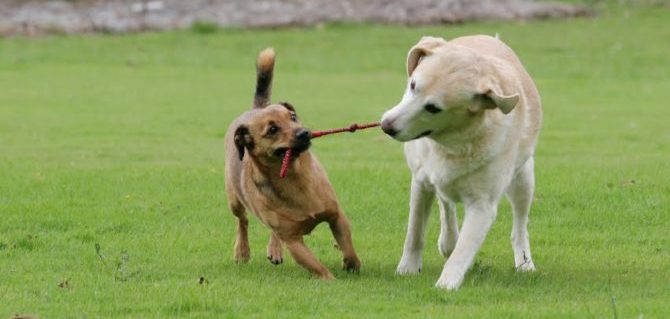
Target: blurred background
(31, 17)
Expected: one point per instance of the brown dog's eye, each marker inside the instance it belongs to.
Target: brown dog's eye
(294, 117)
(273, 130)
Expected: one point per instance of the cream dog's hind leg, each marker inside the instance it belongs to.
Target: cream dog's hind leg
(448, 227)
(520, 195)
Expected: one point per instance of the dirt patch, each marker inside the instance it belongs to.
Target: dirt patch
(34, 17)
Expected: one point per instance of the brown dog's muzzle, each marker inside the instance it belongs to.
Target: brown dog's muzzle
(301, 142)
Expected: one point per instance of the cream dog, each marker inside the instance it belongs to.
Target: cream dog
(470, 117)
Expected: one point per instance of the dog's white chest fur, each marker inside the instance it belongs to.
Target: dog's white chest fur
(430, 167)
(452, 172)
(470, 117)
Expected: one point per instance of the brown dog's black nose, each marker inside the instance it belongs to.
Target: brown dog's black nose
(387, 127)
(303, 135)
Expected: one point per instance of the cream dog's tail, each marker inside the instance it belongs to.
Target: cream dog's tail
(264, 69)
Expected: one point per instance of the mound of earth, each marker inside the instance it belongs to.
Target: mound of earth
(32, 17)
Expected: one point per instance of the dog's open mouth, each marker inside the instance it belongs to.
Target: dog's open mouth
(295, 150)
(426, 133)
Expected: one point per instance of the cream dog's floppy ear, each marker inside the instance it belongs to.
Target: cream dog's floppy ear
(491, 96)
(424, 47)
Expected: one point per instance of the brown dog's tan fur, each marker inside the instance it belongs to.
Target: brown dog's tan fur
(291, 207)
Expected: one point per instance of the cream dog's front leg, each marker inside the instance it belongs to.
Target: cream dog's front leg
(421, 198)
(479, 217)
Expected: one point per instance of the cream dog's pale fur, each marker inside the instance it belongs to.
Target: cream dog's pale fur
(470, 117)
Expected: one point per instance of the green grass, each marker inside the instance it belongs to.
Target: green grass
(118, 141)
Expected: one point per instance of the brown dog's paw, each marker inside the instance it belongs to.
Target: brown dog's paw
(275, 254)
(276, 260)
(326, 276)
(242, 259)
(351, 264)
(242, 255)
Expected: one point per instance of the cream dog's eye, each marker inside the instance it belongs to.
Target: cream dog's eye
(432, 108)
(412, 85)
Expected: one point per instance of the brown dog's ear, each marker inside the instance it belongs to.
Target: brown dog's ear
(288, 106)
(491, 96)
(424, 47)
(243, 140)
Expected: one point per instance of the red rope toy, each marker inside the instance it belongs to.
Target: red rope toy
(352, 128)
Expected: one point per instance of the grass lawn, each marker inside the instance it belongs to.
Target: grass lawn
(116, 142)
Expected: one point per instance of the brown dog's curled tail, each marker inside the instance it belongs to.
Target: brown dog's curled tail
(264, 68)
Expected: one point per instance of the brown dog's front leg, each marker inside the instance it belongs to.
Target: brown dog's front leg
(342, 233)
(275, 250)
(306, 258)
(242, 251)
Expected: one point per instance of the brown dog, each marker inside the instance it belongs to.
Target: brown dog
(291, 207)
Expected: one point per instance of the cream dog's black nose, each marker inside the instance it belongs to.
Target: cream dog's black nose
(387, 127)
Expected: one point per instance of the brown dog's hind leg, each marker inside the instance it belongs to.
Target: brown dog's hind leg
(342, 233)
(275, 250)
(304, 257)
(242, 251)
